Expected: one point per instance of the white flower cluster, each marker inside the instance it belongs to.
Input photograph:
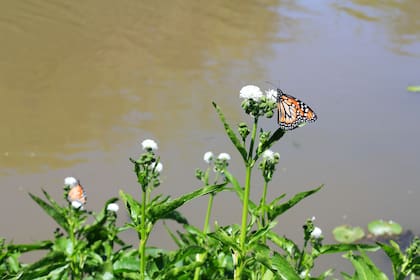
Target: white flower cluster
(255, 93)
(71, 181)
(149, 145)
(113, 207)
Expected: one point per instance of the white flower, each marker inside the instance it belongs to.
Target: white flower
(316, 233)
(304, 274)
(224, 156)
(149, 144)
(251, 92)
(271, 94)
(71, 181)
(157, 167)
(208, 157)
(77, 204)
(313, 218)
(268, 155)
(113, 207)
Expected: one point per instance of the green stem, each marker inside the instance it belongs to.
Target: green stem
(207, 220)
(72, 229)
(249, 165)
(143, 237)
(263, 206)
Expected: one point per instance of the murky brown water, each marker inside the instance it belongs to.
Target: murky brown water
(83, 83)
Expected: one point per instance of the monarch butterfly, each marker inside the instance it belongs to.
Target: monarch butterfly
(292, 112)
(77, 193)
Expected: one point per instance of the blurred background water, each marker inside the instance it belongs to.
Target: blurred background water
(83, 83)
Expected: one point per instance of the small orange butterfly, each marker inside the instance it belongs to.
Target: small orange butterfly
(292, 112)
(77, 193)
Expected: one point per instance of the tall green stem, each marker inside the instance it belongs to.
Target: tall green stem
(207, 220)
(249, 165)
(143, 237)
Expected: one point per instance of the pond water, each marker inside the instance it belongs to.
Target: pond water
(83, 83)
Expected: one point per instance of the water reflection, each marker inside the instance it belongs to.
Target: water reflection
(399, 18)
(71, 73)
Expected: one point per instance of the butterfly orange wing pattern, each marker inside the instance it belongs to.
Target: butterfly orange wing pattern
(292, 112)
(77, 193)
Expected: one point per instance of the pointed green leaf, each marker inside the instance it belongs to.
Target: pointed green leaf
(394, 254)
(54, 212)
(341, 248)
(273, 139)
(41, 245)
(232, 136)
(133, 206)
(278, 265)
(365, 269)
(260, 233)
(160, 210)
(228, 237)
(280, 209)
(286, 244)
(176, 216)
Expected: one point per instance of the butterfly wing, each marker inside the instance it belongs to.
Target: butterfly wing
(292, 112)
(77, 193)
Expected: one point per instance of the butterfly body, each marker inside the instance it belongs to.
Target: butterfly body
(292, 112)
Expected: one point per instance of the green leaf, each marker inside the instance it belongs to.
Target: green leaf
(275, 211)
(235, 140)
(228, 236)
(176, 216)
(259, 234)
(340, 248)
(286, 244)
(133, 207)
(273, 138)
(161, 210)
(413, 88)
(53, 211)
(45, 265)
(126, 264)
(41, 245)
(278, 265)
(394, 253)
(365, 269)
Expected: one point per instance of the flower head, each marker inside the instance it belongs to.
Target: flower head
(316, 233)
(268, 155)
(112, 207)
(149, 145)
(71, 181)
(158, 167)
(77, 204)
(208, 157)
(251, 92)
(271, 95)
(224, 156)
